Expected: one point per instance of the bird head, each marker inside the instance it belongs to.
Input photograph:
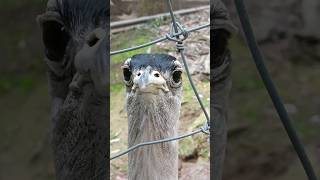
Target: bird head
(153, 75)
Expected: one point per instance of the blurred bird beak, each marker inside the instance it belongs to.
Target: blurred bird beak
(149, 81)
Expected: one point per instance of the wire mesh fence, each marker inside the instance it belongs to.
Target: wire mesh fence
(177, 34)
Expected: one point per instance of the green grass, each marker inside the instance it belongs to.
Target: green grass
(129, 39)
(22, 84)
(296, 85)
(116, 88)
(203, 88)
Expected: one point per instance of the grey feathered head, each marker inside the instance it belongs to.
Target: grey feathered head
(153, 74)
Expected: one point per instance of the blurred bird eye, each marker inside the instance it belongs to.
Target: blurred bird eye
(176, 76)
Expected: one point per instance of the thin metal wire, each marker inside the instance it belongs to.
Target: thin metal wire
(157, 40)
(172, 36)
(158, 141)
(180, 50)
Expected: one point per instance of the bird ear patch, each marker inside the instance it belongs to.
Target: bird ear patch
(54, 35)
(176, 76)
(126, 70)
(126, 74)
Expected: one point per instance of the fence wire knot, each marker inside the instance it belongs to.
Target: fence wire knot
(206, 128)
(179, 36)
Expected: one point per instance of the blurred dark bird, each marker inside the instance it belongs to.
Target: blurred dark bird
(74, 34)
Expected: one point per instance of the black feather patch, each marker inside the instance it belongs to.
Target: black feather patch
(162, 62)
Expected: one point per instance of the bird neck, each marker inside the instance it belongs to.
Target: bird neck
(149, 121)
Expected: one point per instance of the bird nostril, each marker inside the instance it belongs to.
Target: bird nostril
(156, 75)
(92, 41)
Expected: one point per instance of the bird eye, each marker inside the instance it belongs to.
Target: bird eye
(176, 76)
(138, 74)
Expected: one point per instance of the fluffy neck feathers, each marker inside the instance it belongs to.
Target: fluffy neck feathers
(153, 118)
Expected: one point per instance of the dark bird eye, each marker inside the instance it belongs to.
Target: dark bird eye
(176, 76)
(127, 74)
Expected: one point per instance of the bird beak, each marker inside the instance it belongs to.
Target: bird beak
(149, 81)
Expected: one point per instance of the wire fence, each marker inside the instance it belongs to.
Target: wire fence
(177, 34)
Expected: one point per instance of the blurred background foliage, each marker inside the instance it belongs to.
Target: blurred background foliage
(24, 105)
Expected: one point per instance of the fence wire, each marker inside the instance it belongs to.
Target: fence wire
(177, 34)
